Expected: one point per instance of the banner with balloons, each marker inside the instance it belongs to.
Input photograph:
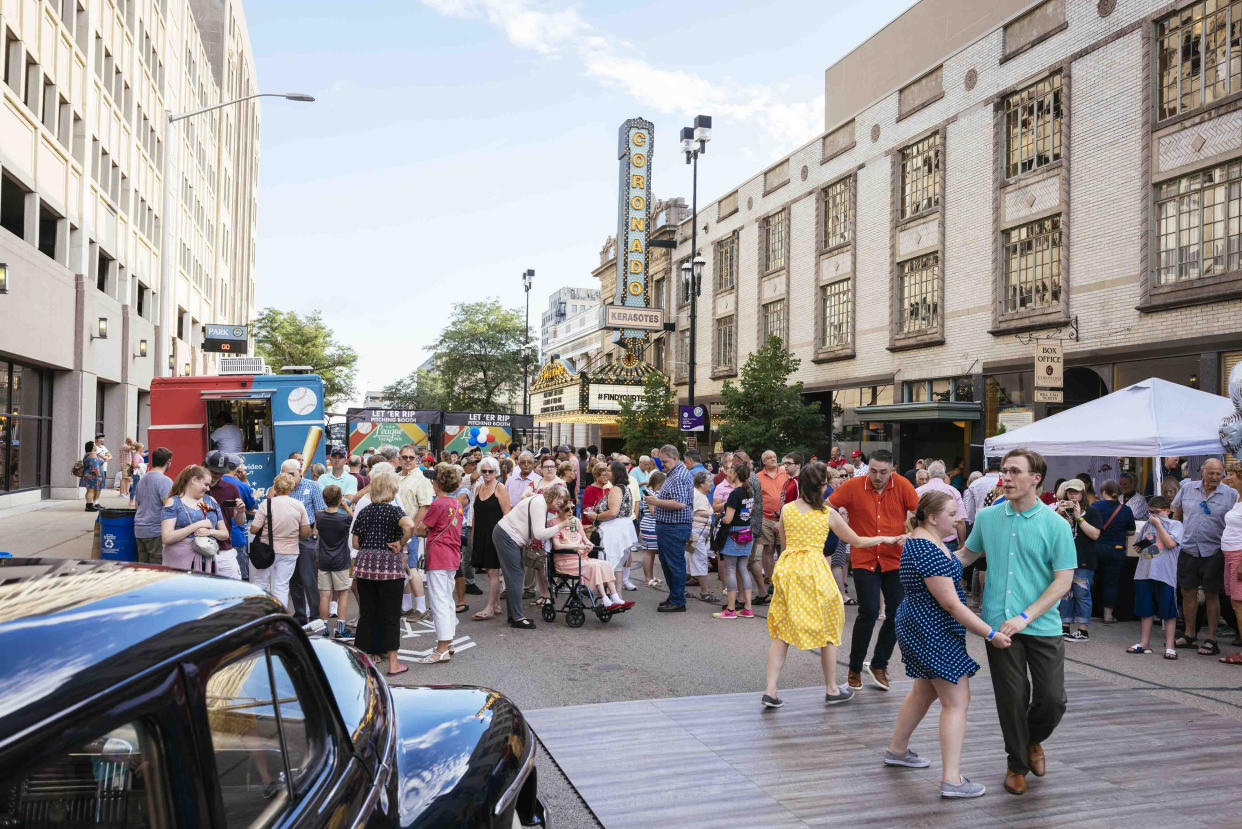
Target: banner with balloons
(463, 438)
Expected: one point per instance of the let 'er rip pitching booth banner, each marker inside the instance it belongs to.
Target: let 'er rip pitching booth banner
(463, 431)
(373, 428)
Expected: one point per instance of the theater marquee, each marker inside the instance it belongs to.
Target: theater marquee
(634, 147)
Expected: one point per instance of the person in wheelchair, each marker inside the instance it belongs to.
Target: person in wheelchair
(571, 553)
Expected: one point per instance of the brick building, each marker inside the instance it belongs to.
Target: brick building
(989, 173)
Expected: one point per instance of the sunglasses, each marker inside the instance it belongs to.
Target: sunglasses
(408, 458)
(489, 471)
(1204, 506)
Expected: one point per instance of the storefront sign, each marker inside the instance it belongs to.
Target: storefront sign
(692, 418)
(227, 339)
(635, 143)
(607, 397)
(499, 420)
(1049, 396)
(1049, 366)
(619, 316)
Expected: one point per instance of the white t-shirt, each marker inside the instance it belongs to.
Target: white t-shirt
(1231, 538)
(228, 438)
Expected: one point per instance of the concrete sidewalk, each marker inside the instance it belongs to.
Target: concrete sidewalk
(52, 529)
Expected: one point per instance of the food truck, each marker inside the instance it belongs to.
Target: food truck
(276, 415)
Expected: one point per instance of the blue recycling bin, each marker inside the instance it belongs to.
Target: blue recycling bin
(116, 535)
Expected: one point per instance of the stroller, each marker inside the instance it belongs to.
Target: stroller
(580, 597)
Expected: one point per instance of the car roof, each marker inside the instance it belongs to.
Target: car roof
(69, 628)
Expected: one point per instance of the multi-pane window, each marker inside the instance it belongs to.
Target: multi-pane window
(773, 319)
(1200, 58)
(726, 264)
(920, 176)
(838, 213)
(774, 241)
(834, 312)
(1032, 266)
(683, 352)
(724, 342)
(1200, 231)
(1033, 126)
(920, 294)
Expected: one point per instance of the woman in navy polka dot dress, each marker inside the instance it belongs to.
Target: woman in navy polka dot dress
(931, 625)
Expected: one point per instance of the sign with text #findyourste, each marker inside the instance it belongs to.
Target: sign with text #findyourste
(604, 397)
(635, 143)
(1049, 366)
(619, 316)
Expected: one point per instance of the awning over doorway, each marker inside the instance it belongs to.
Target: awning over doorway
(921, 412)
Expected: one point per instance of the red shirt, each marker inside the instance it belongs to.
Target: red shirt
(874, 513)
(591, 496)
(443, 522)
(791, 492)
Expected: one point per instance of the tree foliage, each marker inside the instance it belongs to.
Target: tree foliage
(420, 389)
(647, 423)
(766, 411)
(286, 338)
(478, 357)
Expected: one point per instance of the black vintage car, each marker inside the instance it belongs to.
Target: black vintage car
(135, 696)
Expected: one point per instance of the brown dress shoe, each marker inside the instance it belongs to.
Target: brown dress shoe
(1015, 782)
(854, 679)
(880, 677)
(1035, 759)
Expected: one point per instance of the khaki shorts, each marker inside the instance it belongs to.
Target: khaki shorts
(768, 537)
(756, 547)
(337, 580)
(150, 550)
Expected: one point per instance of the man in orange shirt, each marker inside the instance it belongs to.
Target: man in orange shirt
(772, 480)
(878, 503)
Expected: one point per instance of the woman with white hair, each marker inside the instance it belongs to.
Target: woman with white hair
(490, 504)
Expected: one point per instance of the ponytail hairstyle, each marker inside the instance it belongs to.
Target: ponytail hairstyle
(811, 482)
(742, 471)
(931, 503)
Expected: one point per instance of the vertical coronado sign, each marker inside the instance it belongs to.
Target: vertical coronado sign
(634, 147)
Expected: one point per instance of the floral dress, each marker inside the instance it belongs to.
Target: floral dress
(92, 473)
(806, 609)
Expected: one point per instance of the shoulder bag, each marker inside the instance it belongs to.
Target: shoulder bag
(263, 553)
(535, 553)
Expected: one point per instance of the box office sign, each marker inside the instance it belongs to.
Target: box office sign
(607, 397)
(635, 142)
(1049, 366)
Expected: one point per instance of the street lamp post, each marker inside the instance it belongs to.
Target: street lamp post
(169, 231)
(528, 279)
(694, 143)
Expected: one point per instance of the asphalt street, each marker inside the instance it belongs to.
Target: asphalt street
(642, 654)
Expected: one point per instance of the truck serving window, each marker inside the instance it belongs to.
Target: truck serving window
(240, 425)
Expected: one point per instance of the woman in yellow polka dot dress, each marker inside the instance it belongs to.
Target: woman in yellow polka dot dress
(806, 609)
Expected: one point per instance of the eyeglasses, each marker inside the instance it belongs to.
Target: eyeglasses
(1204, 506)
(408, 458)
(1014, 471)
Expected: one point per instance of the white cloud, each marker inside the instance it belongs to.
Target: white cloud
(550, 31)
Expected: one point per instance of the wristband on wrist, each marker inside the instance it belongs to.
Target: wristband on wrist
(1025, 618)
(991, 634)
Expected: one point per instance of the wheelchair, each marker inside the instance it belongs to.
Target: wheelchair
(580, 598)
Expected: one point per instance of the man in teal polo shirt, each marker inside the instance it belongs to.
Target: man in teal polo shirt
(1031, 561)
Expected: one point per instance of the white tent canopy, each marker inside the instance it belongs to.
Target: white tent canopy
(1152, 418)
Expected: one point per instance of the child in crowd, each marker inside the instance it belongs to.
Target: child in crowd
(1155, 577)
(334, 564)
(596, 573)
(647, 530)
(441, 526)
(697, 552)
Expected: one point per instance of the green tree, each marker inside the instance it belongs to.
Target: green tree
(420, 389)
(479, 356)
(286, 338)
(766, 411)
(648, 422)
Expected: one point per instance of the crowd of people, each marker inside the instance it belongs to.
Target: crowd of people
(399, 533)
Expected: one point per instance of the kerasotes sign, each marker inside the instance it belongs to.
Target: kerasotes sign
(1049, 366)
(635, 143)
(619, 316)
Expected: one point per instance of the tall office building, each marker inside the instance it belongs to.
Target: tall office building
(86, 217)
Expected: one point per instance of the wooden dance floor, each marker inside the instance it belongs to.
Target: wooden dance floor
(1122, 757)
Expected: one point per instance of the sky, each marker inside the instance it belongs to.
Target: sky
(456, 143)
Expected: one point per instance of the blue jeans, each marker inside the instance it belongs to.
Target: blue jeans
(1076, 606)
(671, 539)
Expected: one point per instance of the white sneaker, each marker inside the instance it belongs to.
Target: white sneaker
(629, 585)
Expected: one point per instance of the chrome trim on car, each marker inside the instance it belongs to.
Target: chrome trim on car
(515, 788)
(380, 785)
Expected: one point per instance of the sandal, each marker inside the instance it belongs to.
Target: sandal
(849, 601)
(1169, 653)
(404, 668)
(1232, 659)
(1138, 649)
(1209, 648)
(463, 607)
(708, 597)
(1185, 641)
(481, 615)
(435, 658)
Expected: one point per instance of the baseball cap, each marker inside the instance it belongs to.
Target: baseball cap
(1067, 485)
(219, 462)
(855, 454)
(338, 452)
